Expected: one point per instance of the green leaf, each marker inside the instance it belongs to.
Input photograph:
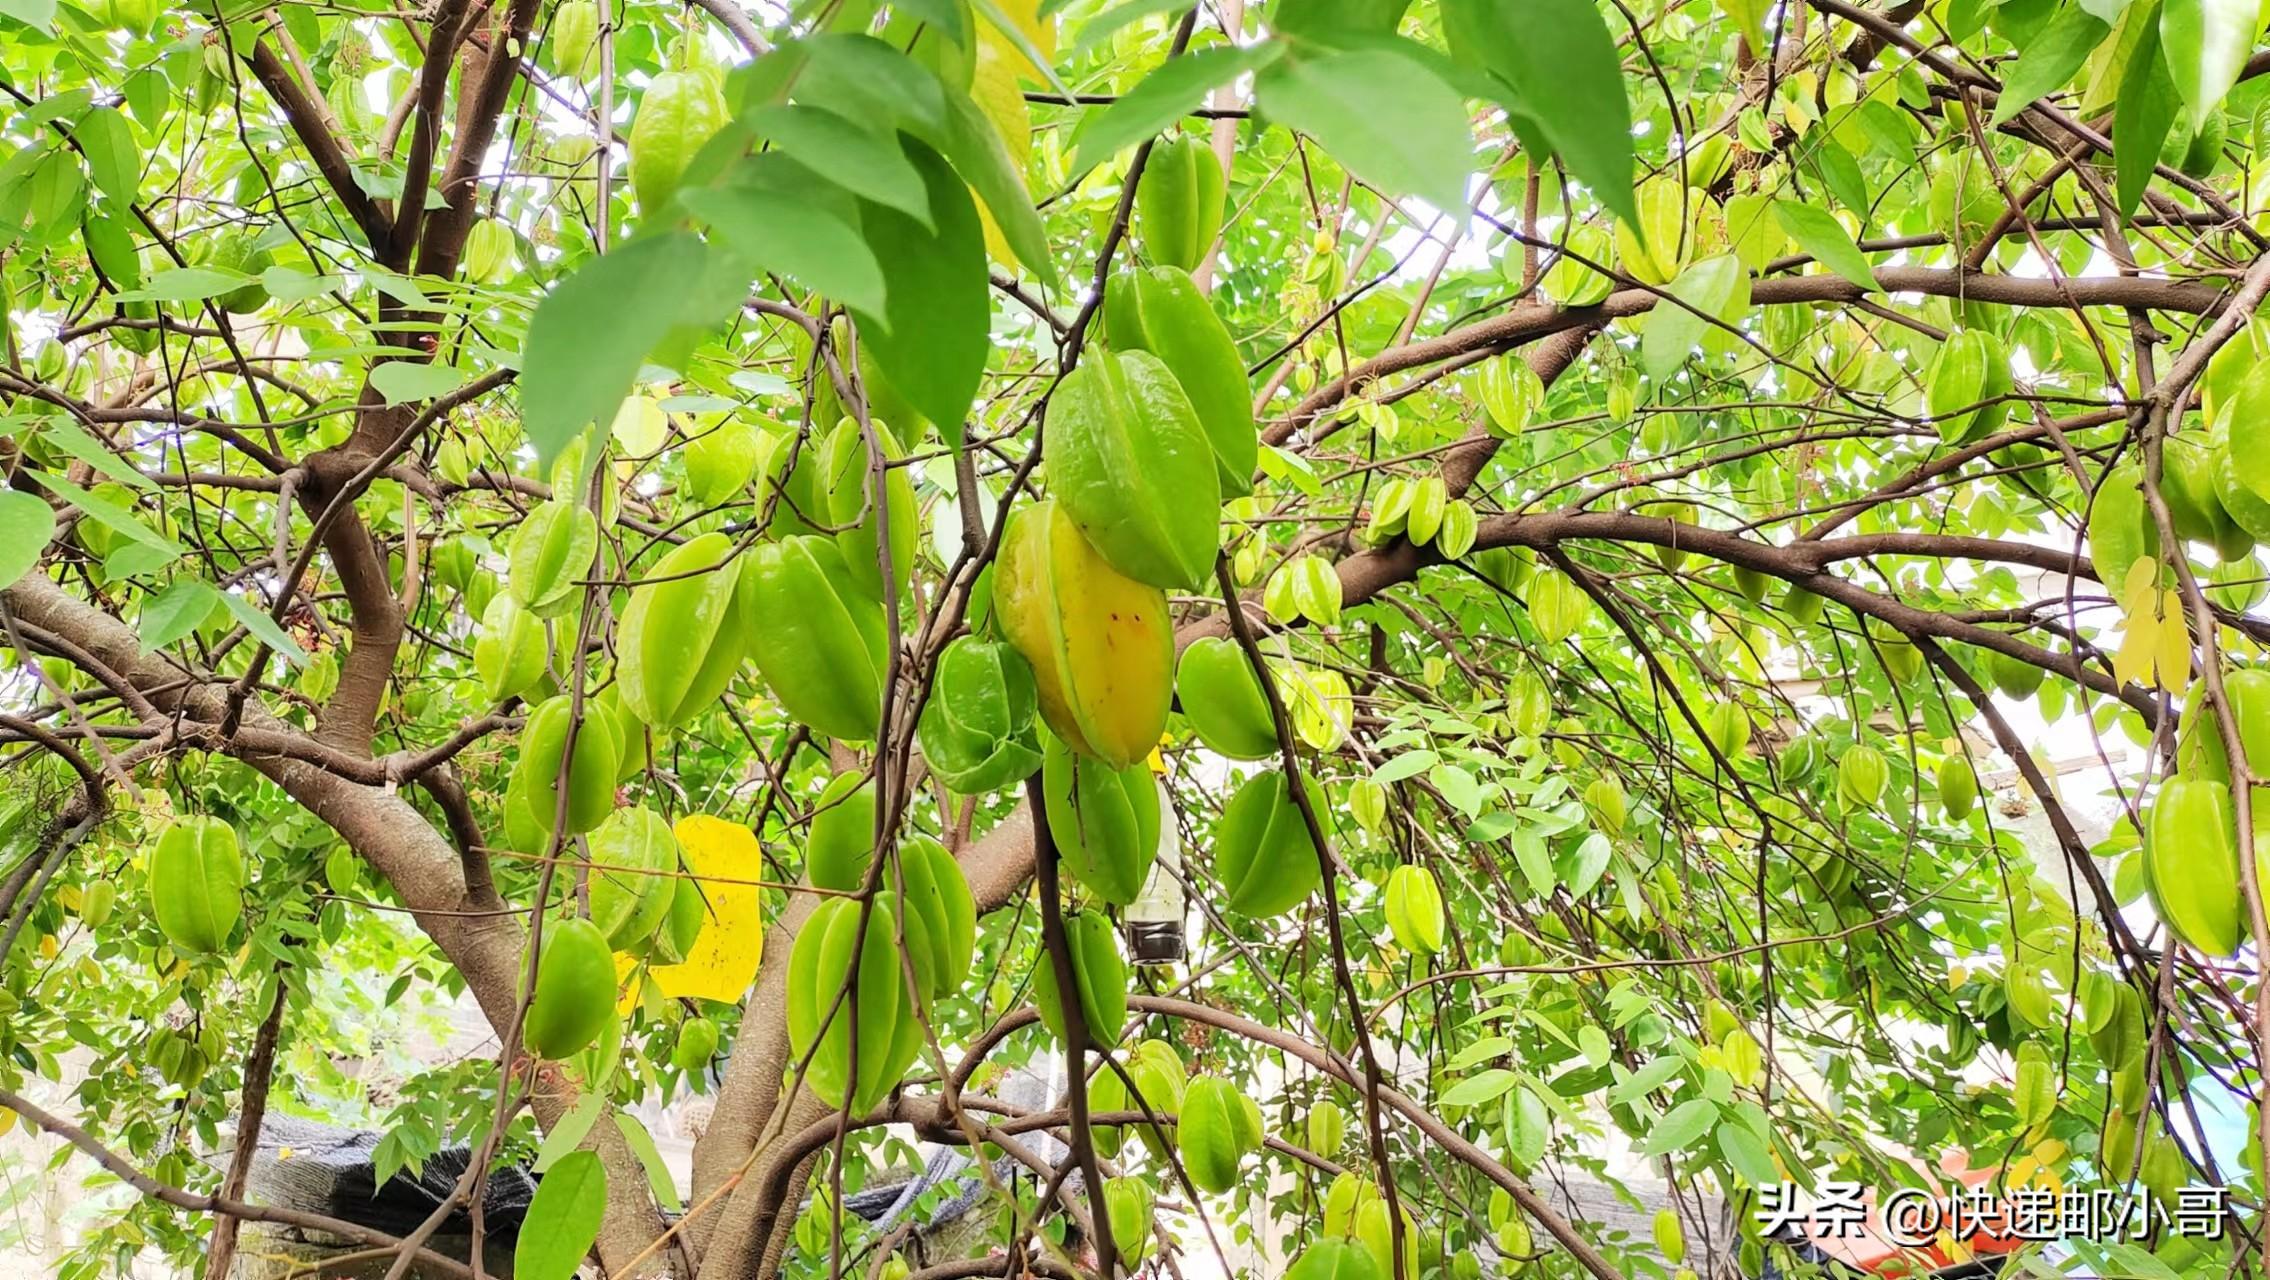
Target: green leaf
(767, 213)
(1839, 172)
(2205, 43)
(1647, 1079)
(73, 439)
(407, 381)
(186, 284)
(175, 611)
(864, 79)
(1681, 1127)
(1749, 16)
(1410, 764)
(1478, 1089)
(2141, 120)
(1097, 31)
(563, 1219)
(947, 16)
(867, 164)
(861, 78)
(36, 14)
(1562, 62)
(1163, 97)
(1747, 1154)
(2044, 66)
(112, 516)
(113, 157)
(932, 339)
(568, 1134)
(982, 158)
(287, 285)
(1535, 861)
(1818, 232)
(263, 628)
(1708, 288)
(1391, 121)
(657, 1172)
(26, 523)
(591, 333)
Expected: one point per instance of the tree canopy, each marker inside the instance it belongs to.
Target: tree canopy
(1601, 532)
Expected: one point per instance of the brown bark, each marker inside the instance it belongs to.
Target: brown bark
(383, 828)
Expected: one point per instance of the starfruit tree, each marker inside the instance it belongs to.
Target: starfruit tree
(1676, 579)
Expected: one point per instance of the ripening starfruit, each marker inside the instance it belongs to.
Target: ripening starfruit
(1099, 973)
(2247, 509)
(1511, 394)
(695, 1046)
(1129, 1202)
(1105, 821)
(837, 974)
(1608, 804)
(721, 461)
(632, 752)
(1262, 849)
(839, 844)
(2191, 864)
(634, 861)
(1178, 202)
(1414, 909)
(589, 776)
(1100, 643)
(1219, 1127)
(2015, 677)
(680, 111)
(1861, 775)
(489, 252)
(508, 651)
(1130, 464)
(2121, 529)
(1161, 311)
(2187, 484)
(676, 650)
(979, 731)
(816, 634)
(1307, 586)
(1958, 787)
(1159, 1080)
(689, 913)
(1574, 276)
(843, 485)
(574, 32)
(551, 554)
(2248, 689)
(197, 878)
(1327, 1128)
(935, 893)
(1656, 249)
(1965, 386)
(575, 990)
(1423, 518)
(1340, 1260)
(1224, 701)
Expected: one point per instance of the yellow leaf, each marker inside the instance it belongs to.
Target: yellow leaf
(2174, 654)
(629, 980)
(723, 960)
(2140, 626)
(994, 87)
(1024, 15)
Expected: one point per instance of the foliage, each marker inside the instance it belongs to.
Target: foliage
(1687, 438)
